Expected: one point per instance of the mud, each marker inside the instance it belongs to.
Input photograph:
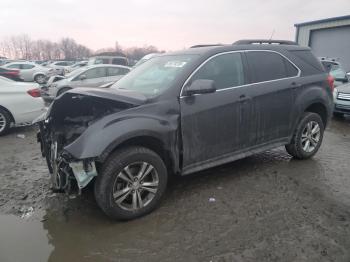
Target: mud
(268, 207)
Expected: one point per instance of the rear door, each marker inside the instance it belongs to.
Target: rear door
(274, 80)
(212, 125)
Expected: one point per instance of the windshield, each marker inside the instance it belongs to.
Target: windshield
(337, 72)
(156, 75)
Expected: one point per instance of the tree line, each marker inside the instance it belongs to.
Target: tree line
(23, 47)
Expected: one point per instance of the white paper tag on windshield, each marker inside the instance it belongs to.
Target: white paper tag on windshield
(175, 64)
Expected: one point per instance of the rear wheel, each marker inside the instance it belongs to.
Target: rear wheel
(5, 121)
(131, 183)
(307, 137)
(40, 79)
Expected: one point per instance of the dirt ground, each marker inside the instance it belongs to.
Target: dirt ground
(268, 207)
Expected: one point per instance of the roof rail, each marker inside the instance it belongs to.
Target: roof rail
(264, 41)
(196, 46)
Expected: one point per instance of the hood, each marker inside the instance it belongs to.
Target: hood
(344, 88)
(120, 95)
(73, 112)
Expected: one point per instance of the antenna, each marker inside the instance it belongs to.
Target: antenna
(273, 32)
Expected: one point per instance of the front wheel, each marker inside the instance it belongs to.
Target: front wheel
(131, 183)
(307, 137)
(5, 121)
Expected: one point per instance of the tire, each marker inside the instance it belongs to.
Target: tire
(298, 146)
(112, 182)
(40, 79)
(5, 121)
(63, 90)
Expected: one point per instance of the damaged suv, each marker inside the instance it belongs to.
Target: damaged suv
(183, 112)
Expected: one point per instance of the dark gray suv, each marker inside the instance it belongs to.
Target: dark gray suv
(183, 112)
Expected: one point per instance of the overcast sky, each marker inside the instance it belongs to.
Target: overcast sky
(169, 25)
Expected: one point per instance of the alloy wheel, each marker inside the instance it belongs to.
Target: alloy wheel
(135, 186)
(3, 122)
(310, 136)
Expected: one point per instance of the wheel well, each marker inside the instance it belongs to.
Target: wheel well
(319, 109)
(151, 143)
(5, 109)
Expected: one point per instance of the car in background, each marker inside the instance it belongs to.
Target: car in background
(20, 104)
(106, 59)
(335, 69)
(341, 92)
(89, 76)
(146, 58)
(60, 67)
(76, 66)
(30, 72)
(13, 74)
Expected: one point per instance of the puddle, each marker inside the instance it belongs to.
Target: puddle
(23, 240)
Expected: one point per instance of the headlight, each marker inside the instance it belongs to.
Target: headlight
(335, 93)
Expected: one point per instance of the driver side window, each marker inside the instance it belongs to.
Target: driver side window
(225, 70)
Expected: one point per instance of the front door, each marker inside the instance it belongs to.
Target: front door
(93, 78)
(213, 125)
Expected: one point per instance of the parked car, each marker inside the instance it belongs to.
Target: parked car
(106, 59)
(60, 67)
(20, 104)
(30, 71)
(75, 66)
(335, 69)
(88, 76)
(183, 112)
(342, 100)
(10, 73)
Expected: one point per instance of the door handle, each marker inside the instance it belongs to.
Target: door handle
(244, 98)
(295, 85)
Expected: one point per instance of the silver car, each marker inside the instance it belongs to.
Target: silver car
(88, 76)
(342, 100)
(30, 71)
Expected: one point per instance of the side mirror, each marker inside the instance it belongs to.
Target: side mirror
(200, 86)
(82, 77)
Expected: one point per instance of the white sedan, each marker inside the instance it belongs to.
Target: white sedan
(31, 72)
(20, 104)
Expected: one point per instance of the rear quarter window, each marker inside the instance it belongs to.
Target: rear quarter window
(307, 62)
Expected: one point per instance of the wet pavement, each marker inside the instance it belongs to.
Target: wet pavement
(268, 207)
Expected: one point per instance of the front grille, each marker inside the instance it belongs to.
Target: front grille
(344, 96)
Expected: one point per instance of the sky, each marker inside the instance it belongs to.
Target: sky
(168, 25)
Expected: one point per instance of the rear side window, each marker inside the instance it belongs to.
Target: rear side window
(119, 61)
(307, 62)
(267, 66)
(17, 66)
(225, 70)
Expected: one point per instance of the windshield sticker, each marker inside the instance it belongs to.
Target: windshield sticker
(175, 64)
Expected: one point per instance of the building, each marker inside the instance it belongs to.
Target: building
(327, 38)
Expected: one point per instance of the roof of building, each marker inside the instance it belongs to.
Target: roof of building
(332, 19)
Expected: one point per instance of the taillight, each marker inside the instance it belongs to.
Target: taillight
(330, 80)
(34, 92)
(12, 73)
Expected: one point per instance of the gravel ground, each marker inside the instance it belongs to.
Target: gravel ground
(268, 207)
